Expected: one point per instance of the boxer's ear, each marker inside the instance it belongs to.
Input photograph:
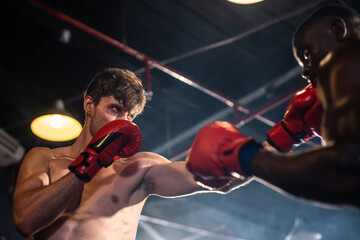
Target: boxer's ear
(339, 28)
(88, 105)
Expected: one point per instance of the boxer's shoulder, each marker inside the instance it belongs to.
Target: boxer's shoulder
(35, 165)
(38, 155)
(134, 170)
(45, 158)
(341, 68)
(138, 164)
(39, 150)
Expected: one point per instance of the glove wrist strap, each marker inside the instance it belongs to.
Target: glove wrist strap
(281, 138)
(85, 166)
(245, 156)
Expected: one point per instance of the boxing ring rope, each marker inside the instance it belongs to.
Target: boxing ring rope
(147, 60)
(239, 36)
(152, 63)
(249, 117)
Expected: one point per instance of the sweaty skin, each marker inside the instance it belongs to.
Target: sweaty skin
(339, 92)
(109, 206)
(328, 50)
(50, 202)
(329, 174)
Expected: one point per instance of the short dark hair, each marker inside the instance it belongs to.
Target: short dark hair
(349, 15)
(122, 84)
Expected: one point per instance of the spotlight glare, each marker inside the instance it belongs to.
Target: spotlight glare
(245, 1)
(57, 121)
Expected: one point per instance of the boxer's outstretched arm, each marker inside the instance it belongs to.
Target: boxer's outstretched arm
(328, 175)
(172, 179)
(37, 203)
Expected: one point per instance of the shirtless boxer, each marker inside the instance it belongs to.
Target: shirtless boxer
(327, 46)
(93, 201)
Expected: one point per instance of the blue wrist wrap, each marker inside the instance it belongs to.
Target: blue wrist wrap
(245, 157)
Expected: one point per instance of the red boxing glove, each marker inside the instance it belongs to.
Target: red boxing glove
(214, 157)
(119, 138)
(301, 121)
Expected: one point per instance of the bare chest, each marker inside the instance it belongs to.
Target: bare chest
(121, 225)
(106, 210)
(107, 192)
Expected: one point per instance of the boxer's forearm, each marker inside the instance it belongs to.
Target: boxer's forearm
(38, 208)
(316, 175)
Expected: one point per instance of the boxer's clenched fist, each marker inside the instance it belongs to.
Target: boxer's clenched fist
(220, 153)
(119, 138)
(301, 121)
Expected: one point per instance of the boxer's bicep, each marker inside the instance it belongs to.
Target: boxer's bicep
(170, 180)
(33, 173)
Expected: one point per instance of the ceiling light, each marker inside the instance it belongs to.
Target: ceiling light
(57, 126)
(245, 1)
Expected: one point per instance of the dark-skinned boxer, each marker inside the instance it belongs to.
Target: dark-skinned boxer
(327, 46)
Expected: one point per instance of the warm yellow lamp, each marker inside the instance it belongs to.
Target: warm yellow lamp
(58, 126)
(245, 1)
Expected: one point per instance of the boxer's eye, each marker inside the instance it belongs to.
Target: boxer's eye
(115, 110)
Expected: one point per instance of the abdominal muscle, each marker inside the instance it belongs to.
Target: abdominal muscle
(105, 212)
(122, 225)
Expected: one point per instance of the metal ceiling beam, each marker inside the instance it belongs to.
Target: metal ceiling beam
(245, 100)
(144, 58)
(150, 62)
(238, 36)
(249, 117)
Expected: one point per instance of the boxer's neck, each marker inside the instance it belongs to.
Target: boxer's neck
(82, 141)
